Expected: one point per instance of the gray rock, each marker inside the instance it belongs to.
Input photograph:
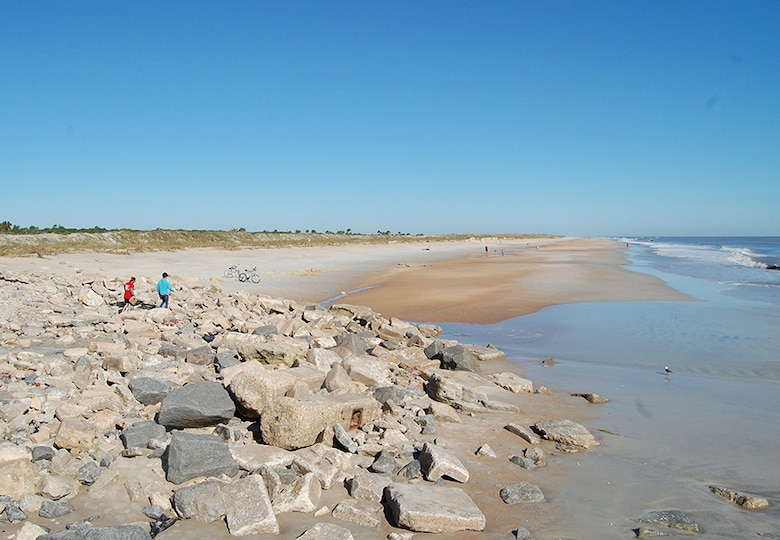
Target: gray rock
(139, 434)
(42, 453)
(570, 436)
(384, 462)
(368, 486)
(523, 462)
(54, 509)
(265, 330)
(202, 501)
(12, 510)
(671, 519)
(196, 405)
(396, 394)
(522, 534)
(87, 532)
(459, 358)
(427, 508)
(522, 432)
(225, 359)
(411, 470)
(89, 473)
(521, 492)
(149, 391)
(190, 456)
(343, 439)
(168, 349)
(201, 356)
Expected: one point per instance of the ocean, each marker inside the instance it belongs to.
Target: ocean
(666, 437)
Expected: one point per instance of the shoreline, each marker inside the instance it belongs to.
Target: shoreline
(306, 274)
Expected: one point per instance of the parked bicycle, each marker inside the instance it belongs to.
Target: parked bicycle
(249, 275)
(232, 272)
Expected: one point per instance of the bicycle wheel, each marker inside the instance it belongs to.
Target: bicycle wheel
(255, 278)
(229, 274)
(242, 277)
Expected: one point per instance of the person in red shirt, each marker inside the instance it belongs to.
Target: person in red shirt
(129, 295)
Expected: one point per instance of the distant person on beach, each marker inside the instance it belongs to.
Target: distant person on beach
(129, 295)
(486, 250)
(164, 289)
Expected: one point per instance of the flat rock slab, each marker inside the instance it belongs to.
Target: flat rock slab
(570, 436)
(426, 508)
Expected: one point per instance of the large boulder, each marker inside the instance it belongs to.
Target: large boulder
(425, 508)
(292, 423)
(191, 456)
(196, 405)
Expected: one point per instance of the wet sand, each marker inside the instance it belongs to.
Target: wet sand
(435, 282)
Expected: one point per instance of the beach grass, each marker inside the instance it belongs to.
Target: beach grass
(137, 241)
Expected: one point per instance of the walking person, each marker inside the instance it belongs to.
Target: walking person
(129, 295)
(164, 289)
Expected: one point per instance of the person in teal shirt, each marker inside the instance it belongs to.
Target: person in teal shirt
(164, 289)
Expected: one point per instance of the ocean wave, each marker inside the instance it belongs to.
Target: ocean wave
(708, 254)
(744, 257)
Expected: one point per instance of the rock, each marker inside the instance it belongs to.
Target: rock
(297, 423)
(512, 382)
(368, 486)
(13, 511)
(190, 456)
(18, 476)
(196, 405)
(327, 464)
(326, 531)
(139, 434)
(359, 512)
(486, 450)
(201, 356)
(368, 370)
(592, 398)
(425, 508)
(248, 508)
(54, 509)
(303, 495)
(521, 492)
(30, 531)
(570, 436)
(149, 391)
(742, 499)
(76, 435)
(256, 387)
(225, 359)
(343, 439)
(202, 501)
(671, 519)
(459, 358)
(88, 532)
(338, 381)
(384, 462)
(523, 432)
(522, 534)
(438, 462)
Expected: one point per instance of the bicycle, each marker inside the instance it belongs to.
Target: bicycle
(232, 272)
(249, 275)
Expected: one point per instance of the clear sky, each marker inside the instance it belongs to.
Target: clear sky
(576, 117)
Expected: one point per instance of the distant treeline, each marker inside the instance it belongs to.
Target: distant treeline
(6, 227)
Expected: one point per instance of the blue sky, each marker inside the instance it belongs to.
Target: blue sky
(588, 118)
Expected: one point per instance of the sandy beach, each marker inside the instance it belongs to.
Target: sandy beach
(430, 282)
(422, 282)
